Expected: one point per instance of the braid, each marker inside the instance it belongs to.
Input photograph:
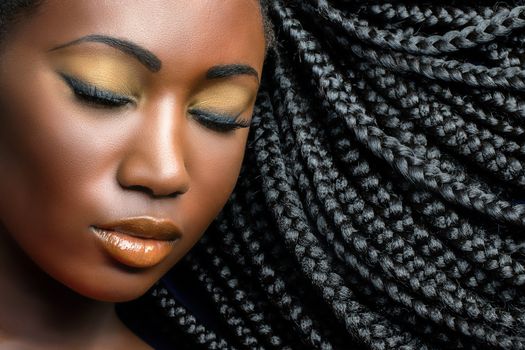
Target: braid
(444, 17)
(485, 31)
(408, 133)
(179, 317)
(378, 205)
(378, 202)
(377, 209)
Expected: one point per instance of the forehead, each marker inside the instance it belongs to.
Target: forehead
(183, 34)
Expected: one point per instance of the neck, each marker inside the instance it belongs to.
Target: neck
(37, 308)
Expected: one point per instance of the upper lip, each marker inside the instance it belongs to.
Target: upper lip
(145, 227)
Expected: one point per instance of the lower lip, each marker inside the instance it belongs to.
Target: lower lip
(133, 251)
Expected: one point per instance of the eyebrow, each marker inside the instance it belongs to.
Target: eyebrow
(229, 70)
(153, 63)
(144, 56)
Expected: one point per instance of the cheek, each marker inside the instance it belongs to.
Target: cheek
(46, 169)
(44, 140)
(58, 175)
(214, 175)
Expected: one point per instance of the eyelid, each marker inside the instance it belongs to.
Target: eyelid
(220, 118)
(221, 122)
(84, 87)
(215, 116)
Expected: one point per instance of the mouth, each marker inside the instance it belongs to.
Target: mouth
(137, 242)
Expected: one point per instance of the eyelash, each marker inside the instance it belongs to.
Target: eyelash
(219, 122)
(92, 95)
(96, 97)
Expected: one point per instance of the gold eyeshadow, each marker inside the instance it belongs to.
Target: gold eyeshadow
(106, 70)
(114, 71)
(225, 97)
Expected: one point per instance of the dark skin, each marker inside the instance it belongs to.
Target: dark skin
(69, 161)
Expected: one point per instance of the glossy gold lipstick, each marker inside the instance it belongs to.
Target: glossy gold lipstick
(141, 241)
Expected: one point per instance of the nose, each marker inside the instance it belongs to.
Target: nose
(155, 162)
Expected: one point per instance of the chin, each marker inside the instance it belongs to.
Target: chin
(119, 287)
(112, 293)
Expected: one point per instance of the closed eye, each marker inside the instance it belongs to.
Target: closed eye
(102, 98)
(95, 96)
(219, 122)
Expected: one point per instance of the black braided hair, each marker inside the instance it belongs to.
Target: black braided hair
(378, 204)
(381, 199)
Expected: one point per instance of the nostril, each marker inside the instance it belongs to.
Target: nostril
(155, 165)
(139, 188)
(151, 193)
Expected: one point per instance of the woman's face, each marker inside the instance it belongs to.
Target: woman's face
(108, 112)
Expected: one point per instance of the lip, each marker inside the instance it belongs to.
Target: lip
(145, 227)
(138, 241)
